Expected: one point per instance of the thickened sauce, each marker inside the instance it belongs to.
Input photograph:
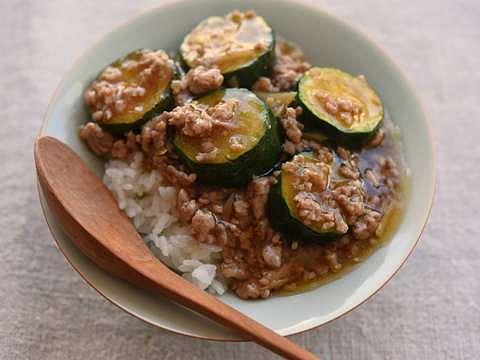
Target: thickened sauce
(312, 256)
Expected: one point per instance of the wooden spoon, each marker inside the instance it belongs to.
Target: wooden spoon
(91, 218)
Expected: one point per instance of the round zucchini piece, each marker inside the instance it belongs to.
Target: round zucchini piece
(338, 104)
(139, 84)
(283, 214)
(315, 136)
(256, 128)
(241, 45)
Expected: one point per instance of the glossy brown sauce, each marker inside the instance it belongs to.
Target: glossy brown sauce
(389, 226)
(392, 218)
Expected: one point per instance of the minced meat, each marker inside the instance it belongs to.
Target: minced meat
(289, 66)
(98, 140)
(345, 191)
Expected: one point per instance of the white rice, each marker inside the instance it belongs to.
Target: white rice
(151, 205)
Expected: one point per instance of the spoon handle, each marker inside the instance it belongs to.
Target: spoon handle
(90, 217)
(206, 304)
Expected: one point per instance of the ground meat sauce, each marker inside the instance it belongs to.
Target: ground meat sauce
(197, 81)
(360, 202)
(289, 66)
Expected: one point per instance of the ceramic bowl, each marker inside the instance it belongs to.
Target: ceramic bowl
(327, 41)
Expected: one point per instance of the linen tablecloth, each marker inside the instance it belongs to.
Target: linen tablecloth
(430, 310)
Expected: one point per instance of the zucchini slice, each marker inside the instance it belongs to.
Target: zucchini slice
(282, 211)
(315, 136)
(257, 130)
(241, 45)
(131, 91)
(343, 107)
(277, 101)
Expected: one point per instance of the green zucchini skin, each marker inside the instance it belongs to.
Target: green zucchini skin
(312, 125)
(240, 171)
(318, 123)
(246, 76)
(165, 104)
(181, 66)
(289, 226)
(314, 135)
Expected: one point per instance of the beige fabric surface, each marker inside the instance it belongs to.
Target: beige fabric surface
(430, 310)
